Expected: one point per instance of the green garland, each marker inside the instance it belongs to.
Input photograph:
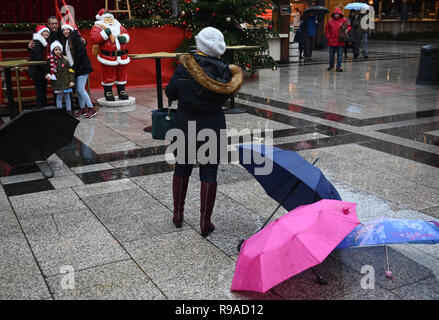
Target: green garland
(87, 24)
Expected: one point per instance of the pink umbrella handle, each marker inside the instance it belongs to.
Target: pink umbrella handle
(388, 273)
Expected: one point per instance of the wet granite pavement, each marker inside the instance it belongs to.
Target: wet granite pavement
(107, 212)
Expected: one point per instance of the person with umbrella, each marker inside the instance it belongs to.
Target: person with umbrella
(201, 83)
(310, 27)
(356, 32)
(332, 32)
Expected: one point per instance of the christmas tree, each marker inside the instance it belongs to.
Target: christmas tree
(239, 20)
(147, 9)
(241, 23)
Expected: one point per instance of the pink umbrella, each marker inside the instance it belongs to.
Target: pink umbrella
(299, 240)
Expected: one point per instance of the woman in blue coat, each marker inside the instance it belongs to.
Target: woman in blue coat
(202, 83)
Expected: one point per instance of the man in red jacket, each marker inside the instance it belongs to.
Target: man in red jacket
(112, 39)
(332, 32)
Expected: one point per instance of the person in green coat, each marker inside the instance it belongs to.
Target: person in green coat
(62, 76)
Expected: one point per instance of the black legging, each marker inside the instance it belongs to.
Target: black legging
(208, 172)
(41, 92)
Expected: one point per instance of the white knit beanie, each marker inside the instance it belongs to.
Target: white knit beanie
(67, 26)
(211, 42)
(55, 44)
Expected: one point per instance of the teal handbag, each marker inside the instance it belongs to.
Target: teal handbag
(162, 120)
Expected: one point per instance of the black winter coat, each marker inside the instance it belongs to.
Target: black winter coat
(38, 53)
(202, 85)
(82, 64)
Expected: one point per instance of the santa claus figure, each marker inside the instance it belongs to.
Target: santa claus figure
(111, 38)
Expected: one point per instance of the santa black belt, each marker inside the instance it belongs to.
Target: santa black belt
(114, 53)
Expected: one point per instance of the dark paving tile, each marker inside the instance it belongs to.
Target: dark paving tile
(127, 172)
(15, 189)
(428, 158)
(6, 170)
(416, 132)
(78, 154)
(324, 142)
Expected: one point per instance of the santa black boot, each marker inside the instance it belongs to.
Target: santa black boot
(108, 91)
(121, 91)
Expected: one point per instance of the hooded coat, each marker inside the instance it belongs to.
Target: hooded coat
(202, 85)
(332, 29)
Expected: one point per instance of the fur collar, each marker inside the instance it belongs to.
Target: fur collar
(40, 38)
(210, 84)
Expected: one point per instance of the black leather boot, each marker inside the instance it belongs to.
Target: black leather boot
(121, 91)
(108, 91)
(207, 195)
(179, 189)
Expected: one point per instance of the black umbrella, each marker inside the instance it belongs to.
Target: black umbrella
(36, 135)
(317, 10)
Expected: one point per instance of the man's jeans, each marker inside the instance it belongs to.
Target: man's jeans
(332, 51)
(365, 48)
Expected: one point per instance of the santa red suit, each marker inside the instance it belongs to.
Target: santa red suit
(112, 39)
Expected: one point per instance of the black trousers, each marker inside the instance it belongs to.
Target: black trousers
(41, 88)
(208, 172)
(309, 45)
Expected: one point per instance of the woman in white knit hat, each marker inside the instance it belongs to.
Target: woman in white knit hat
(201, 83)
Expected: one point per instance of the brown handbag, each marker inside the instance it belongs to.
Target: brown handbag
(344, 36)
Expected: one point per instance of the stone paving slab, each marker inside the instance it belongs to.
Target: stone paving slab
(251, 195)
(122, 280)
(404, 269)
(46, 202)
(20, 277)
(381, 162)
(381, 183)
(195, 269)
(70, 238)
(131, 214)
(95, 189)
(8, 222)
(427, 289)
(343, 283)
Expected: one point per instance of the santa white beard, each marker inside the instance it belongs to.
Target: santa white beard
(114, 27)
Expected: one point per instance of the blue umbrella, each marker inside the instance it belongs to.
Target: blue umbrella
(292, 182)
(357, 6)
(385, 231)
(388, 231)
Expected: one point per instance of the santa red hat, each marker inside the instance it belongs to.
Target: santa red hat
(41, 28)
(103, 13)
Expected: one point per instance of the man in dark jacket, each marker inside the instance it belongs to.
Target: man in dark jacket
(201, 83)
(310, 28)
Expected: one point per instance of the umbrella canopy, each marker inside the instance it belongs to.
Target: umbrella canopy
(35, 135)
(292, 182)
(357, 6)
(293, 243)
(317, 10)
(388, 231)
